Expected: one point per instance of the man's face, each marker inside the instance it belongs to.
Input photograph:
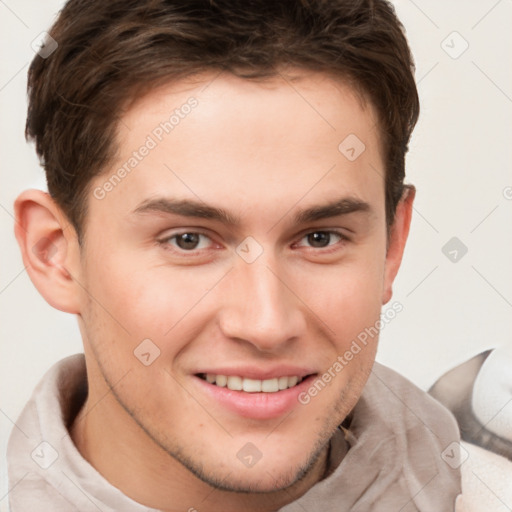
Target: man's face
(243, 246)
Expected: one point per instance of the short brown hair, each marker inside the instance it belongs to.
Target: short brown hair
(110, 52)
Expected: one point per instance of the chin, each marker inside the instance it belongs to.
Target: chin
(264, 481)
(266, 476)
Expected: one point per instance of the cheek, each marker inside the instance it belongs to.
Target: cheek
(132, 300)
(347, 298)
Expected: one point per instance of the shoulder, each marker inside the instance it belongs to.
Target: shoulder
(416, 431)
(415, 407)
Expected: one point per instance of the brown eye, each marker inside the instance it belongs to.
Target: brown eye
(320, 239)
(189, 241)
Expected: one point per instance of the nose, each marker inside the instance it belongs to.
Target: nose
(261, 307)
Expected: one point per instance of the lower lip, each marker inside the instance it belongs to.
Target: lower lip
(261, 406)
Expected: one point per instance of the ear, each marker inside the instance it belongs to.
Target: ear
(397, 239)
(49, 247)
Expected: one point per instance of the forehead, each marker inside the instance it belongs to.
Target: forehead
(245, 144)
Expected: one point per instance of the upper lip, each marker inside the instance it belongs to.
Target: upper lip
(259, 373)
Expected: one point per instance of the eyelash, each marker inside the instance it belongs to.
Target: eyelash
(342, 239)
(165, 242)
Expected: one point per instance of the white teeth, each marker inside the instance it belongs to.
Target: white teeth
(283, 383)
(252, 385)
(221, 380)
(236, 383)
(270, 385)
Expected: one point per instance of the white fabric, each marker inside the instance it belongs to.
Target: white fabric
(486, 481)
(492, 393)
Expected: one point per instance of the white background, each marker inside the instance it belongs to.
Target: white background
(459, 160)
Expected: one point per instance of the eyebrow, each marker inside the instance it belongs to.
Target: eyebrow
(336, 208)
(193, 208)
(186, 208)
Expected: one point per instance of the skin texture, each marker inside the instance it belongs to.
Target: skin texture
(262, 152)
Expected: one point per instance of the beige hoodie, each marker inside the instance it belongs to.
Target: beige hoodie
(399, 453)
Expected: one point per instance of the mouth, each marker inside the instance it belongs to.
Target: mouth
(257, 399)
(239, 383)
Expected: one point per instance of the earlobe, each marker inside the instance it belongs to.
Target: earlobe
(397, 240)
(49, 247)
